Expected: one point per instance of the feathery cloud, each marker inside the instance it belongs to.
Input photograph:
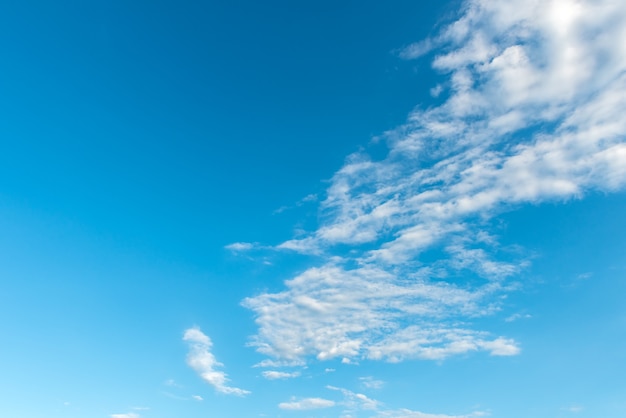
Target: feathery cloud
(275, 375)
(204, 363)
(306, 404)
(533, 113)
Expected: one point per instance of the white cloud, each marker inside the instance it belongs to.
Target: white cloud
(371, 383)
(330, 312)
(537, 94)
(204, 363)
(416, 50)
(197, 398)
(128, 415)
(275, 375)
(355, 403)
(407, 413)
(306, 404)
(517, 316)
(240, 246)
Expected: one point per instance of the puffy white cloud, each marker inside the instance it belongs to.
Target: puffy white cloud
(204, 363)
(306, 404)
(534, 107)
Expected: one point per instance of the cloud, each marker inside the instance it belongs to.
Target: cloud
(274, 375)
(573, 409)
(517, 316)
(306, 404)
(407, 413)
(329, 312)
(204, 363)
(371, 383)
(128, 415)
(355, 403)
(417, 49)
(406, 245)
(240, 246)
(197, 398)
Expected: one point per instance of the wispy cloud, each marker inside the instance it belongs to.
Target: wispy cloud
(534, 107)
(356, 404)
(306, 404)
(370, 383)
(204, 363)
(128, 415)
(240, 246)
(407, 413)
(517, 316)
(353, 401)
(275, 375)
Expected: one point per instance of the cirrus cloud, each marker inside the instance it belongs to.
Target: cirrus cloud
(407, 255)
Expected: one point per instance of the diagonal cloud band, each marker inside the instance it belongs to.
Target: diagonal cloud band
(534, 107)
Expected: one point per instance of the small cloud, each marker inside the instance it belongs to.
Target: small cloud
(584, 276)
(171, 383)
(280, 363)
(275, 375)
(436, 91)
(416, 50)
(197, 398)
(306, 199)
(128, 415)
(329, 370)
(354, 401)
(204, 363)
(501, 347)
(371, 383)
(517, 316)
(240, 246)
(306, 404)
(573, 409)
(309, 198)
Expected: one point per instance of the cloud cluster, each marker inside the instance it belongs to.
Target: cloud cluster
(204, 363)
(355, 404)
(533, 112)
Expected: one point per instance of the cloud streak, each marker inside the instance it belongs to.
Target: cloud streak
(533, 112)
(204, 363)
(306, 404)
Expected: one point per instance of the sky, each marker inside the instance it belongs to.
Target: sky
(313, 209)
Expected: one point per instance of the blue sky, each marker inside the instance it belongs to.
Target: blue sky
(290, 209)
